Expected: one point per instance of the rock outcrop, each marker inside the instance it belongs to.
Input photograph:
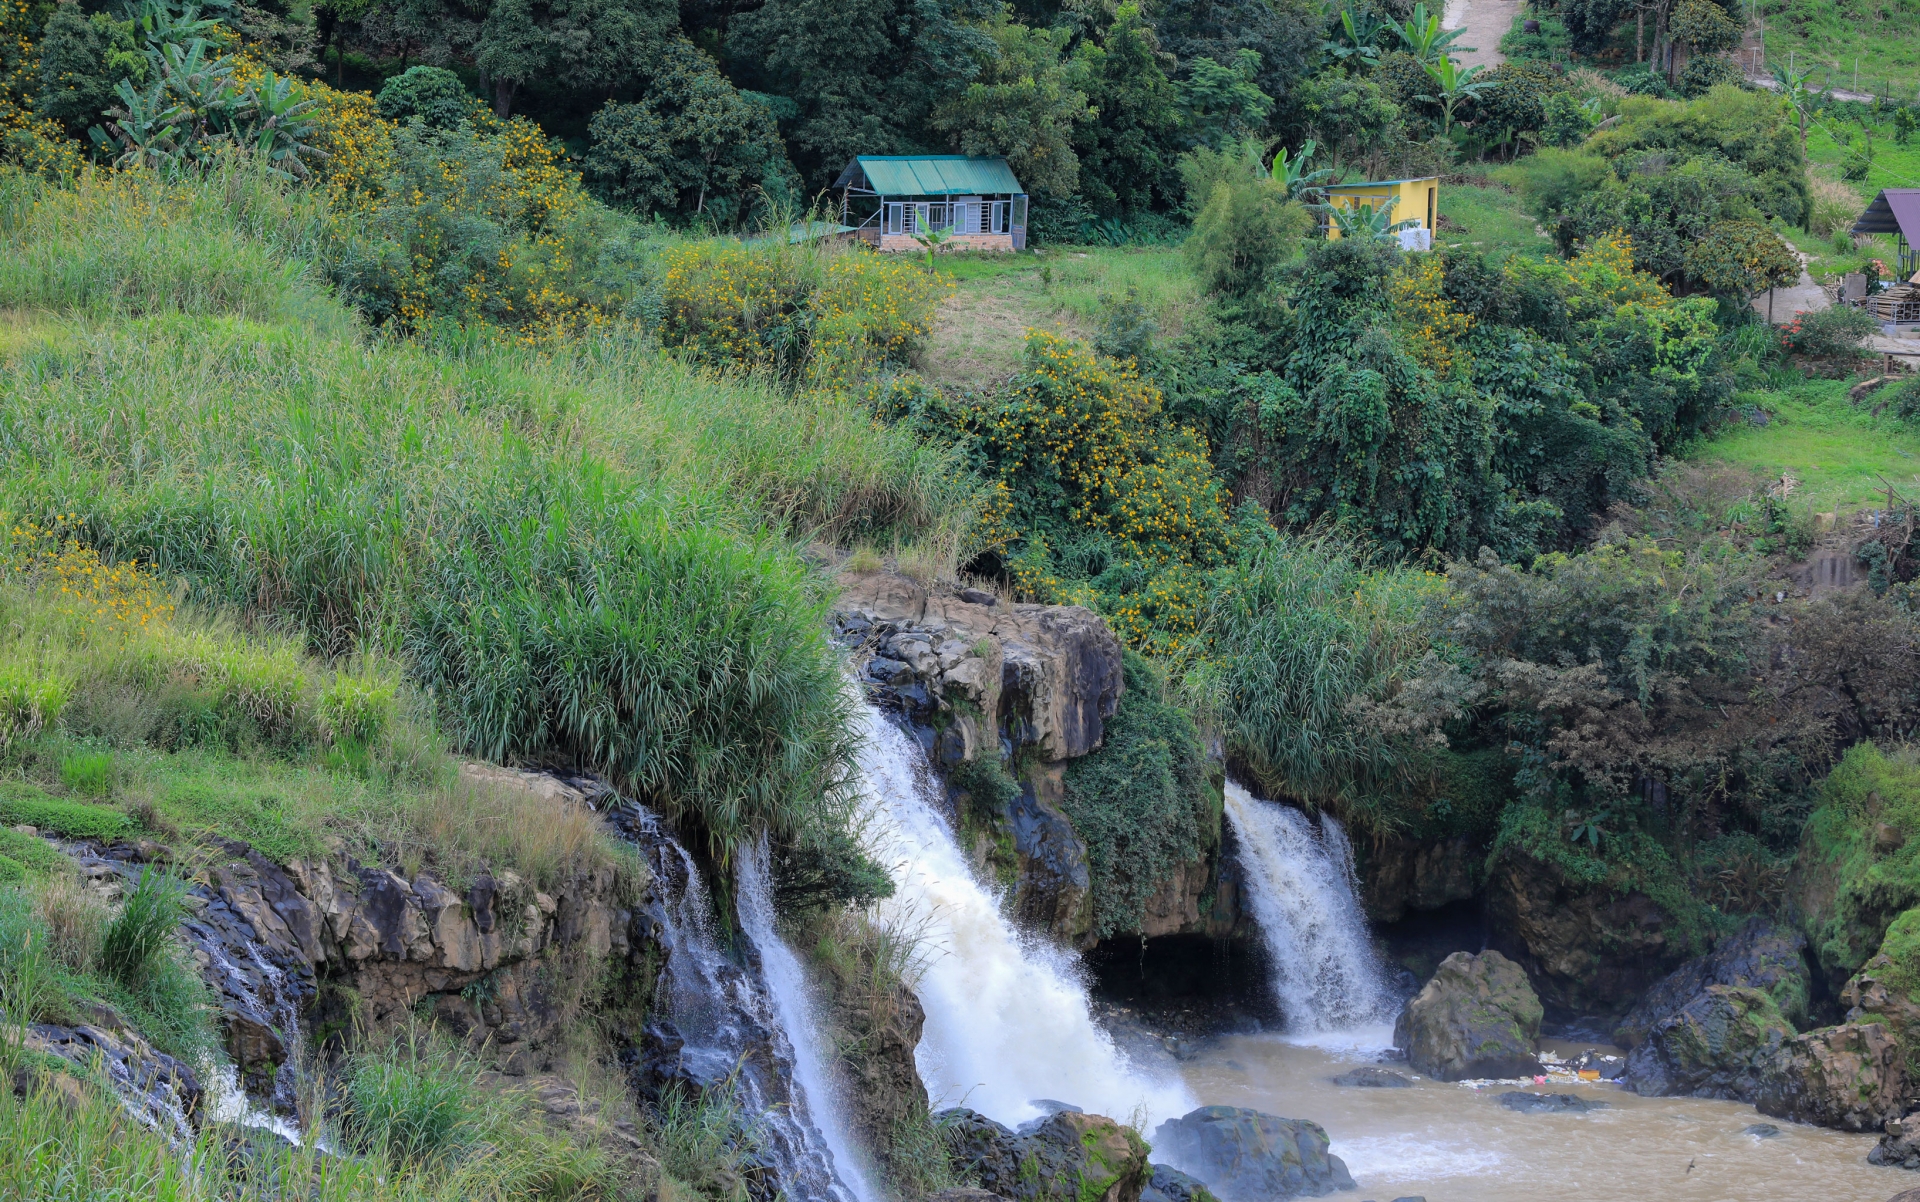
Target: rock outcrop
(1398, 875)
(1246, 1156)
(163, 1089)
(1477, 1017)
(1169, 1184)
(1588, 951)
(1763, 954)
(1899, 1147)
(1718, 1045)
(1852, 1076)
(1066, 1157)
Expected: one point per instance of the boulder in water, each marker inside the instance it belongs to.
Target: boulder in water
(1852, 1076)
(1715, 1046)
(1477, 1017)
(1373, 1078)
(1069, 1157)
(1900, 1146)
(1549, 1103)
(1248, 1156)
(1169, 1184)
(1761, 1131)
(1763, 954)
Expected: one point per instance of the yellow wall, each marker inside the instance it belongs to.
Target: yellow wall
(1419, 198)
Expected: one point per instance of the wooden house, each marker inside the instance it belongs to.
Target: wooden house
(891, 200)
(1416, 200)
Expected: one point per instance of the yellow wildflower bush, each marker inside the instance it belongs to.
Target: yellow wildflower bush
(1432, 326)
(871, 309)
(28, 142)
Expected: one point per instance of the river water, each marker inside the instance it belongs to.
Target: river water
(1451, 1143)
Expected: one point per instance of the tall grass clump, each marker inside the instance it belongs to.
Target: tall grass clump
(586, 554)
(143, 930)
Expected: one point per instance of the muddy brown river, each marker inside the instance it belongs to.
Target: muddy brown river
(1450, 1143)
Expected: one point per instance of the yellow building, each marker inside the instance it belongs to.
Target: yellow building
(1419, 199)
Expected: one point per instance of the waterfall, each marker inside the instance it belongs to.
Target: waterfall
(727, 1024)
(793, 1001)
(1326, 974)
(1007, 1018)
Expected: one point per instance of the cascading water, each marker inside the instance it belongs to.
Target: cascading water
(1007, 1019)
(793, 1000)
(726, 1025)
(1326, 974)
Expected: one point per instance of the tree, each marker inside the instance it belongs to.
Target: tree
(1357, 35)
(1798, 96)
(1286, 34)
(82, 58)
(1454, 87)
(1127, 155)
(865, 75)
(1738, 259)
(1244, 226)
(1222, 104)
(433, 94)
(1424, 39)
(1348, 116)
(1024, 103)
(692, 146)
(593, 45)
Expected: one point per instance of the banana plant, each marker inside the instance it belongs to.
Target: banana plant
(1423, 37)
(1797, 95)
(1359, 36)
(1292, 171)
(143, 131)
(202, 84)
(1361, 220)
(278, 125)
(1454, 87)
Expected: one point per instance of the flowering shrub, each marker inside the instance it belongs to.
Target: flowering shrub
(29, 141)
(1831, 334)
(870, 310)
(84, 586)
(1434, 326)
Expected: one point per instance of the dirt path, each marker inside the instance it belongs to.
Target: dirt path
(1804, 296)
(1486, 22)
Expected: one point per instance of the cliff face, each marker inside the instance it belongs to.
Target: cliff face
(1003, 697)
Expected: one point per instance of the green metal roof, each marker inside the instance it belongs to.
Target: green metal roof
(932, 175)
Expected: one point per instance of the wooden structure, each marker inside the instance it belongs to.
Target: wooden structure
(1896, 211)
(893, 200)
(1416, 200)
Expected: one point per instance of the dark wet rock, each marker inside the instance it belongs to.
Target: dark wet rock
(1169, 1184)
(974, 596)
(1549, 1103)
(1899, 1147)
(1587, 950)
(1718, 1045)
(1852, 1077)
(1247, 1156)
(964, 1193)
(1761, 1131)
(1373, 1078)
(1764, 955)
(1069, 1157)
(1477, 1017)
(1398, 875)
(164, 1090)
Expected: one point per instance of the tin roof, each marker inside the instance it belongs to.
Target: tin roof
(930, 175)
(1380, 183)
(1894, 211)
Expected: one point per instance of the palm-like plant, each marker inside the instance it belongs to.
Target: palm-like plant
(1453, 87)
(1423, 37)
(142, 131)
(1798, 96)
(1358, 36)
(278, 124)
(1361, 220)
(1292, 171)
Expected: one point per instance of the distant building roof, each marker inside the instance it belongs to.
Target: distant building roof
(1381, 183)
(1894, 211)
(929, 175)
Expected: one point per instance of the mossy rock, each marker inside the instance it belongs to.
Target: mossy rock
(1858, 866)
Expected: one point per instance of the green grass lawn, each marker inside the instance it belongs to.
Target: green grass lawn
(1885, 38)
(1491, 219)
(1841, 456)
(998, 298)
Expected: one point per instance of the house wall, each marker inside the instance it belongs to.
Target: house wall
(957, 242)
(1412, 194)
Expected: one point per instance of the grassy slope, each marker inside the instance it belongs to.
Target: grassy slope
(1491, 219)
(1884, 36)
(1840, 453)
(982, 330)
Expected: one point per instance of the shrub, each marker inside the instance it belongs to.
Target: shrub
(357, 708)
(143, 930)
(1244, 225)
(1834, 333)
(433, 94)
(22, 804)
(412, 1100)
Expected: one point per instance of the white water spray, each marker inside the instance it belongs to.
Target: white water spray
(1326, 974)
(1007, 1018)
(793, 1001)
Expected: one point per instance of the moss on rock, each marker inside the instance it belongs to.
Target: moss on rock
(1858, 867)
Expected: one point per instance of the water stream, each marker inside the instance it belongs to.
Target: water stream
(1327, 976)
(1008, 1022)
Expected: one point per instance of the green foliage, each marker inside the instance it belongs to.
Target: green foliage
(142, 932)
(28, 856)
(1704, 27)
(1127, 155)
(1740, 258)
(433, 94)
(411, 1101)
(1516, 97)
(1705, 73)
(82, 56)
(1142, 801)
(1244, 227)
(1834, 333)
(1422, 36)
(1223, 105)
(1355, 118)
(1026, 102)
(692, 146)
(21, 804)
(1851, 885)
(89, 773)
